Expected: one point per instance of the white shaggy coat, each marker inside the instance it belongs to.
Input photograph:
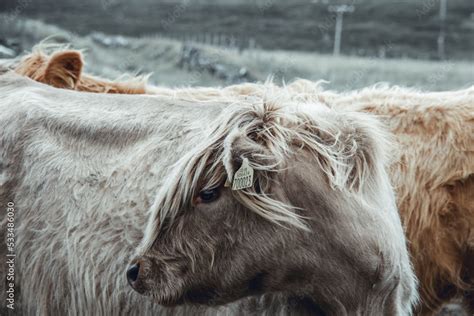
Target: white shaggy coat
(83, 170)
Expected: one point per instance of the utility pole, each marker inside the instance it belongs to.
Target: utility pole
(442, 29)
(339, 10)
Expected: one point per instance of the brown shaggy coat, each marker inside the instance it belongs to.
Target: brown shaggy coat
(63, 69)
(433, 174)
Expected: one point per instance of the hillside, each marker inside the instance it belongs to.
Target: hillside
(401, 29)
(174, 63)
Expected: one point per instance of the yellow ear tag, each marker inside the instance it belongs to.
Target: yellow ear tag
(243, 177)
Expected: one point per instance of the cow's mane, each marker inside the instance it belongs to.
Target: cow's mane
(348, 162)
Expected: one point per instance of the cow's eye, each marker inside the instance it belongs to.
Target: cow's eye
(208, 196)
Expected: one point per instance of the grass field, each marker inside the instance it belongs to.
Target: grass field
(409, 27)
(161, 56)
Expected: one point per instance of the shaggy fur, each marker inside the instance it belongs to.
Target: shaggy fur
(84, 170)
(282, 143)
(433, 174)
(432, 171)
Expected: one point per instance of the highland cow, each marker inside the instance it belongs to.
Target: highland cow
(435, 161)
(314, 230)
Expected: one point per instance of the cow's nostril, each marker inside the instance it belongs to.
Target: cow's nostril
(132, 273)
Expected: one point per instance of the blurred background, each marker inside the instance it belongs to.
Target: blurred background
(352, 44)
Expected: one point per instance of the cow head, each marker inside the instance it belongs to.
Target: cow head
(311, 222)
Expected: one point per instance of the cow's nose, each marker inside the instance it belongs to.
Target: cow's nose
(132, 274)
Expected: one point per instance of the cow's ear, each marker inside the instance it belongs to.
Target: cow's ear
(236, 147)
(243, 151)
(64, 69)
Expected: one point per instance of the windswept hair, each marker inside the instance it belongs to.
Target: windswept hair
(267, 133)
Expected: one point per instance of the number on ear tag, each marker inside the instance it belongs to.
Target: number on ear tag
(243, 177)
